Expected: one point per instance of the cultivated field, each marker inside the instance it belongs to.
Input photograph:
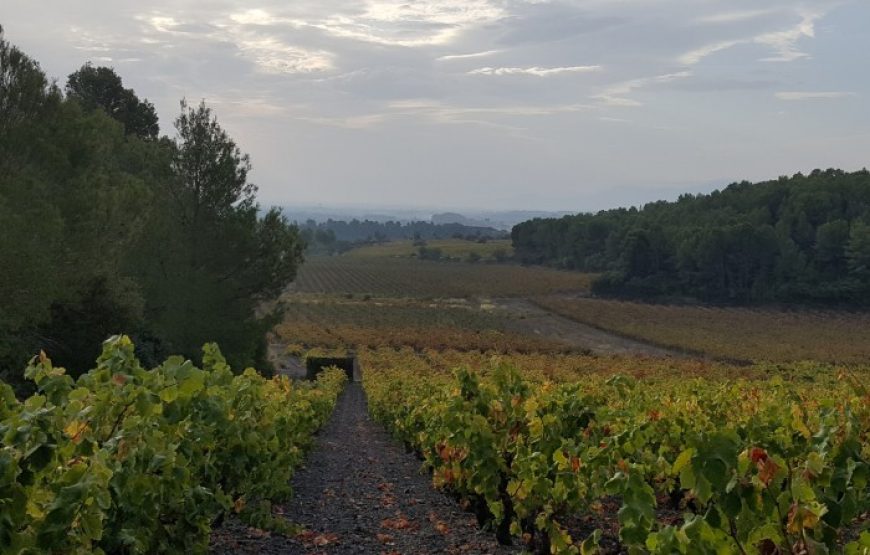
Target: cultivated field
(575, 458)
(407, 277)
(338, 322)
(564, 452)
(731, 333)
(453, 248)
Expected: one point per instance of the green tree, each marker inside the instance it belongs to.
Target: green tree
(100, 87)
(212, 262)
(68, 195)
(831, 240)
(858, 251)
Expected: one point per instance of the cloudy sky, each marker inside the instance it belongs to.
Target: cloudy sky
(567, 105)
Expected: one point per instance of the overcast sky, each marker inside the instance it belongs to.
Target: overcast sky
(567, 105)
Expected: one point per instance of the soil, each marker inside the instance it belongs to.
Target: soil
(526, 317)
(361, 492)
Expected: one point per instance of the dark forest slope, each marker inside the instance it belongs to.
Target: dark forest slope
(804, 238)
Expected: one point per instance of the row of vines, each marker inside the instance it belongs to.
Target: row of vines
(404, 277)
(663, 465)
(330, 322)
(729, 332)
(129, 460)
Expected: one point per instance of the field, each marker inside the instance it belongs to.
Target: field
(730, 333)
(385, 276)
(564, 451)
(555, 448)
(582, 459)
(453, 248)
(339, 322)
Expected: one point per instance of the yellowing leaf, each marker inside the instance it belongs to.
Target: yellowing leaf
(75, 429)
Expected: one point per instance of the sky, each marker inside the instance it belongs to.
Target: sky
(572, 105)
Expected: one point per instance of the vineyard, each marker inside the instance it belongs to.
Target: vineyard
(566, 452)
(479, 395)
(129, 460)
(333, 322)
(403, 277)
(452, 248)
(604, 462)
(729, 333)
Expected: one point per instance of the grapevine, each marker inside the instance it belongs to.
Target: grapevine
(131, 460)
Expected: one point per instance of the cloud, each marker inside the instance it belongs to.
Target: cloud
(273, 56)
(268, 52)
(349, 122)
(400, 23)
(436, 112)
(467, 56)
(784, 42)
(308, 86)
(813, 95)
(736, 16)
(615, 95)
(448, 111)
(694, 57)
(535, 71)
(163, 24)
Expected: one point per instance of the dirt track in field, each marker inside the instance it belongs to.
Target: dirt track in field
(361, 492)
(524, 316)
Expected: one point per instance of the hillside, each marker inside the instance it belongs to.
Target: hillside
(804, 238)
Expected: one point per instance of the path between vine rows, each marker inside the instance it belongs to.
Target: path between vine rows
(361, 492)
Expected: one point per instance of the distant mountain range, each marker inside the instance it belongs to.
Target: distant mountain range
(501, 220)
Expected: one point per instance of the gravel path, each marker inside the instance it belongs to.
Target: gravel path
(360, 492)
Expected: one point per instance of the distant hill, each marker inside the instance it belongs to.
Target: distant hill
(337, 235)
(499, 220)
(502, 220)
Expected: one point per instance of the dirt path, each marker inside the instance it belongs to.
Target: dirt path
(527, 317)
(360, 492)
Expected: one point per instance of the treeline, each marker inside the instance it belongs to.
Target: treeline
(335, 236)
(108, 227)
(804, 239)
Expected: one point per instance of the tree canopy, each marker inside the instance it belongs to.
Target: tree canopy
(110, 229)
(101, 87)
(805, 238)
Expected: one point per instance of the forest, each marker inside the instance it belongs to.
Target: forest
(336, 236)
(804, 239)
(110, 227)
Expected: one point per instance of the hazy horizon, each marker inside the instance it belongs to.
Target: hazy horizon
(576, 105)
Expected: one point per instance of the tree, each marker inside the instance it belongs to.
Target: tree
(831, 240)
(68, 199)
(858, 251)
(212, 261)
(102, 88)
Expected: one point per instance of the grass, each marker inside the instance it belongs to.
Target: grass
(730, 333)
(408, 277)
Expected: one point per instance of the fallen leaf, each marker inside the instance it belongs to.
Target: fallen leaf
(324, 539)
(258, 533)
(398, 523)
